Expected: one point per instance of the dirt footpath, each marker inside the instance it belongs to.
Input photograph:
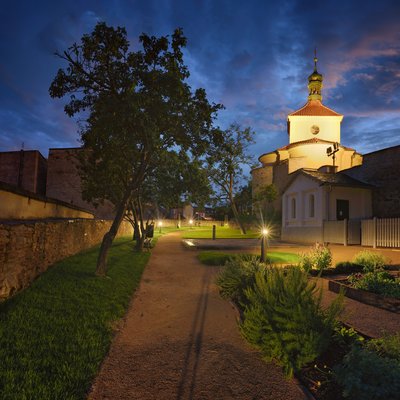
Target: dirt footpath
(181, 341)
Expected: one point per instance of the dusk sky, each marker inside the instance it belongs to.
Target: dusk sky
(252, 56)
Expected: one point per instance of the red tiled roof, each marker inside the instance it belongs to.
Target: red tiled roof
(315, 108)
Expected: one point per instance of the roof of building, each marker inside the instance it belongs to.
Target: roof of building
(331, 179)
(315, 108)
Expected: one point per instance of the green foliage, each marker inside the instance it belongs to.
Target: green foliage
(370, 261)
(237, 275)
(380, 282)
(283, 318)
(55, 334)
(366, 375)
(388, 346)
(225, 163)
(319, 257)
(347, 336)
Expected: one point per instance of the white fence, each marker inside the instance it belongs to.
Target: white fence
(377, 232)
(381, 232)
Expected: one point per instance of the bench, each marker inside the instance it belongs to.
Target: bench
(148, 243)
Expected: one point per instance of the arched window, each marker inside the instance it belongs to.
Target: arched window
(311, 205)
(293, 208)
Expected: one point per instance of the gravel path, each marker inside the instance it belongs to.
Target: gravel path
(180, 340)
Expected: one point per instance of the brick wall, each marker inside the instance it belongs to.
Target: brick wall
(24, 169)
(28, 248)
(381, 169)
(64, 183)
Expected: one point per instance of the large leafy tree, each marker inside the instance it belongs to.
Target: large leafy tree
(225, 165)
(136, 106)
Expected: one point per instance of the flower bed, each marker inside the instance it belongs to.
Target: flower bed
(373, 299)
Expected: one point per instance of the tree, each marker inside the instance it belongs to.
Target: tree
(172, 179)
(263, 198)
(243, 199)
(137, 106)
(225, 161)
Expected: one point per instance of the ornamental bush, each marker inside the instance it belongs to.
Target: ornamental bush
(283, 318)
(370, 261)
(365, 375)
(319, 257)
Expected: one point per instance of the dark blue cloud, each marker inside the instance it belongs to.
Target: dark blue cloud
(254, 57)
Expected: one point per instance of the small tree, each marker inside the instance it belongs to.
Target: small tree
(138, 105)
(225, 162)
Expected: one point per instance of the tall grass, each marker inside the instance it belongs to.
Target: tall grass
(55, 334)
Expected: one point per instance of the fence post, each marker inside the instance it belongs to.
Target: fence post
(345, 232)
(214, 232)
(374, 238)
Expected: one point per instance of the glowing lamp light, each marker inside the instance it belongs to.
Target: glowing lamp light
(160, 225)
(190, 221)
(265, 232)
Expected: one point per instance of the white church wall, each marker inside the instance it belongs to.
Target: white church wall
(360, 202)
(301, 127)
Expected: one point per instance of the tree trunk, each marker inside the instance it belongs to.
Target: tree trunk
(233, 205)
(236, 215)
(108, 238)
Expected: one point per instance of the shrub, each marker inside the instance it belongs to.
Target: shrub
(370, 261)
(237, 275)
(380, 282)
(367, 376)
(347, 336)
(319, 257)
(347, 267)
(388, 346)
(284, 319)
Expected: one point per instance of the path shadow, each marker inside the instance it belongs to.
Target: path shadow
(187, 381)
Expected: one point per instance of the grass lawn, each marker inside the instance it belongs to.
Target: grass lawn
(222, 232)
(55, 334)
(219, 258)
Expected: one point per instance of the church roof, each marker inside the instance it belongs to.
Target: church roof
(338, 179)
(311, 141)
(315, 108)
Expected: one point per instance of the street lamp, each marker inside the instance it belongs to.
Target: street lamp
(191, 223)
(160, 225)
(264, 235)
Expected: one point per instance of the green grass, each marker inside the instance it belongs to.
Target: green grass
(222, 232)
(220, 258)
(55, 334)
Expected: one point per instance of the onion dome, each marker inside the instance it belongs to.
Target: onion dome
(315, 83)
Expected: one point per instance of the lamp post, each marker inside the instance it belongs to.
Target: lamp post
(160, 225)
(264, 235)
(191, 223)
(331, 151)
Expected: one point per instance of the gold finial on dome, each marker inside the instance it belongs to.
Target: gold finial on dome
(315, 82)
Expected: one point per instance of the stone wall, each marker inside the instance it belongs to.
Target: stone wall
(27, 249)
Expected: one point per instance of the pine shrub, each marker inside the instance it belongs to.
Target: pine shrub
(237, 275)
(284, 318)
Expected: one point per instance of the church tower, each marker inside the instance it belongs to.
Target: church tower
(314, 120)
(313, 129)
